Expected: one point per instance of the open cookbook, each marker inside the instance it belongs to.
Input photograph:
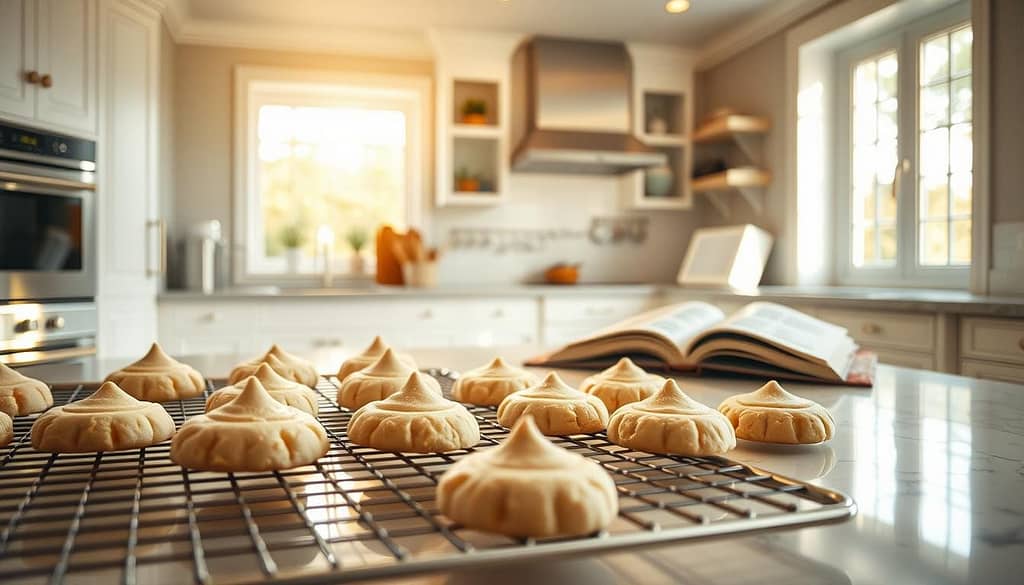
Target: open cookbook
(761, 339)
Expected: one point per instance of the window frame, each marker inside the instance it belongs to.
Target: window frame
(907, 271)
(254, 86)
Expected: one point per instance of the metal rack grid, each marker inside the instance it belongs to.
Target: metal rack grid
(357, 513)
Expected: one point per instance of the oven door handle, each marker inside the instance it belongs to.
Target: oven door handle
(161, 230)
(68, 184)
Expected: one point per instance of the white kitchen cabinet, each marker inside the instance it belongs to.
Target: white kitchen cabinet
(568, 318)
(992, 348)
(130, 238)
(48, 71)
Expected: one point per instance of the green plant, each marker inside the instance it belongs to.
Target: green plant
(462, 173)
(293, 236)
(357, 238)
(473, 106)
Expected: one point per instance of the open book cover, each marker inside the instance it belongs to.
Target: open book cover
(761, 339)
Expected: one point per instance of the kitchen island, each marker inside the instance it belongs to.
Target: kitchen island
(935, 463)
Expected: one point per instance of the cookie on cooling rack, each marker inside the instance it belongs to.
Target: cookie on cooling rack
(108, 420)
(290, 366)
(6, 429)
(285, 391)
(671, 422)
(528, 487)
(488, 385)
(773, 415)
(557, 408)
(21, 395)
(416, 419)
(367, 357)
(253, 432)
(381, 379)
(621, 384)
(158, 377)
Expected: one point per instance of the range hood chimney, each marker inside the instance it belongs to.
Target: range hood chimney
(572, 109)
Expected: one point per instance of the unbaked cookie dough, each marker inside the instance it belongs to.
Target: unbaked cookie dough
(253, 432)
(490, 384)
(290, 366)
(556, 407)
(367, 357)
(772, 415)
(108, 420)
(528, 487)
(21, 395)
(671, 422)
(6, 429)
(283, 390)
(381, 379)
(159, 378)
(416, 419)
(621, 384)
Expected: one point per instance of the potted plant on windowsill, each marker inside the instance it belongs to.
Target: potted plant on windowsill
(357, 238)
(292, 238)
(474, 112)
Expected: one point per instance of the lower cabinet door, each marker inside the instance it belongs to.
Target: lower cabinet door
(992, 371)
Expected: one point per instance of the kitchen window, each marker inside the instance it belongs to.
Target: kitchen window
(322, 161)
(904, 164)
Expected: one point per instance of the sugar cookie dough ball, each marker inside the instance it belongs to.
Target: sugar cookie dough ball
(772, 415)
(621, 384)
(367, 357)
(671, 422)
(381, 379)
(416, 419)
(490, 384)
(290, 366)
(6, 429)
(287, 392)
(21, 395)
(107, 420)
(556, 407)
(528, 487)
(159, 378)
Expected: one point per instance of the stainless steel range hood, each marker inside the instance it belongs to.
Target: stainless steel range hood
(572, 109)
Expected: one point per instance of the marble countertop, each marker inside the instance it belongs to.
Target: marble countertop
(901, 299)
(935, 463)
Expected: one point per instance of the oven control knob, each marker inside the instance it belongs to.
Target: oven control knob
(26, 325)
(55, 322)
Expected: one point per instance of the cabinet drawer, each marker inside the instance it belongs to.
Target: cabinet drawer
(908, 331)
(992, 371)
(992, 339)
(198, 320)
(605, 310)
(905, 359)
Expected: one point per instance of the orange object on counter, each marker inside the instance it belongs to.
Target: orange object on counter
(389, 270)
(562, 274)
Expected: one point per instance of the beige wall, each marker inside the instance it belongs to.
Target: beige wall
(166, 135)
(754, 81)
(203, 103)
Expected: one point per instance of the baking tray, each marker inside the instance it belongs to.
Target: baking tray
(357, 513)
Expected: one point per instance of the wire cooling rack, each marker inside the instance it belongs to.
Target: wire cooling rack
(357, 513)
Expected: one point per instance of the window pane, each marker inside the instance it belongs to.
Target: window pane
(887, 120)
(934, 243)
(961, 49)
(961, 253)
(887, 243)
(864, 85)
(887, 69)
(961, 150)
(961, 100)
(934, 106)
(934, 197)
(961, 185)
(864, 122)
(869, 245)
(886, 203)
(864, 204)
(935, 60)
(935, 153)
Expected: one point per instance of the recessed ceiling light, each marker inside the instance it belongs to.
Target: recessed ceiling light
(677, 6)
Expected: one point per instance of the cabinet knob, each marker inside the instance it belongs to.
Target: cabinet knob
(1020, 343)
(26, 325)
(871, 329)
(32, 77)
(46, 80)
(57, 323)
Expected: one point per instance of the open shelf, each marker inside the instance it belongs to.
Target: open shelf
(663, 113)
(731, 179)
(483, 91)
(663, 139)
(475, 131)
(727, 126)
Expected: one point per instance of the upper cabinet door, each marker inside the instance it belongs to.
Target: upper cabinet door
(17, 57)
(66, 62)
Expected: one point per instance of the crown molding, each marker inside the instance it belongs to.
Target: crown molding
(766, 23)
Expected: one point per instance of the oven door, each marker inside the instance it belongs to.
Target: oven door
(47, 236)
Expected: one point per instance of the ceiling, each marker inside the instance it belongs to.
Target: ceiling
(628, 20)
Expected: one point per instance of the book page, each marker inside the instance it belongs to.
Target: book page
(684, 323)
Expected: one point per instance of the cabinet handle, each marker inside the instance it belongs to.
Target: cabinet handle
(1020, 343)
(161, 226)
(871, 329)
(46, 81)
(32, 77)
